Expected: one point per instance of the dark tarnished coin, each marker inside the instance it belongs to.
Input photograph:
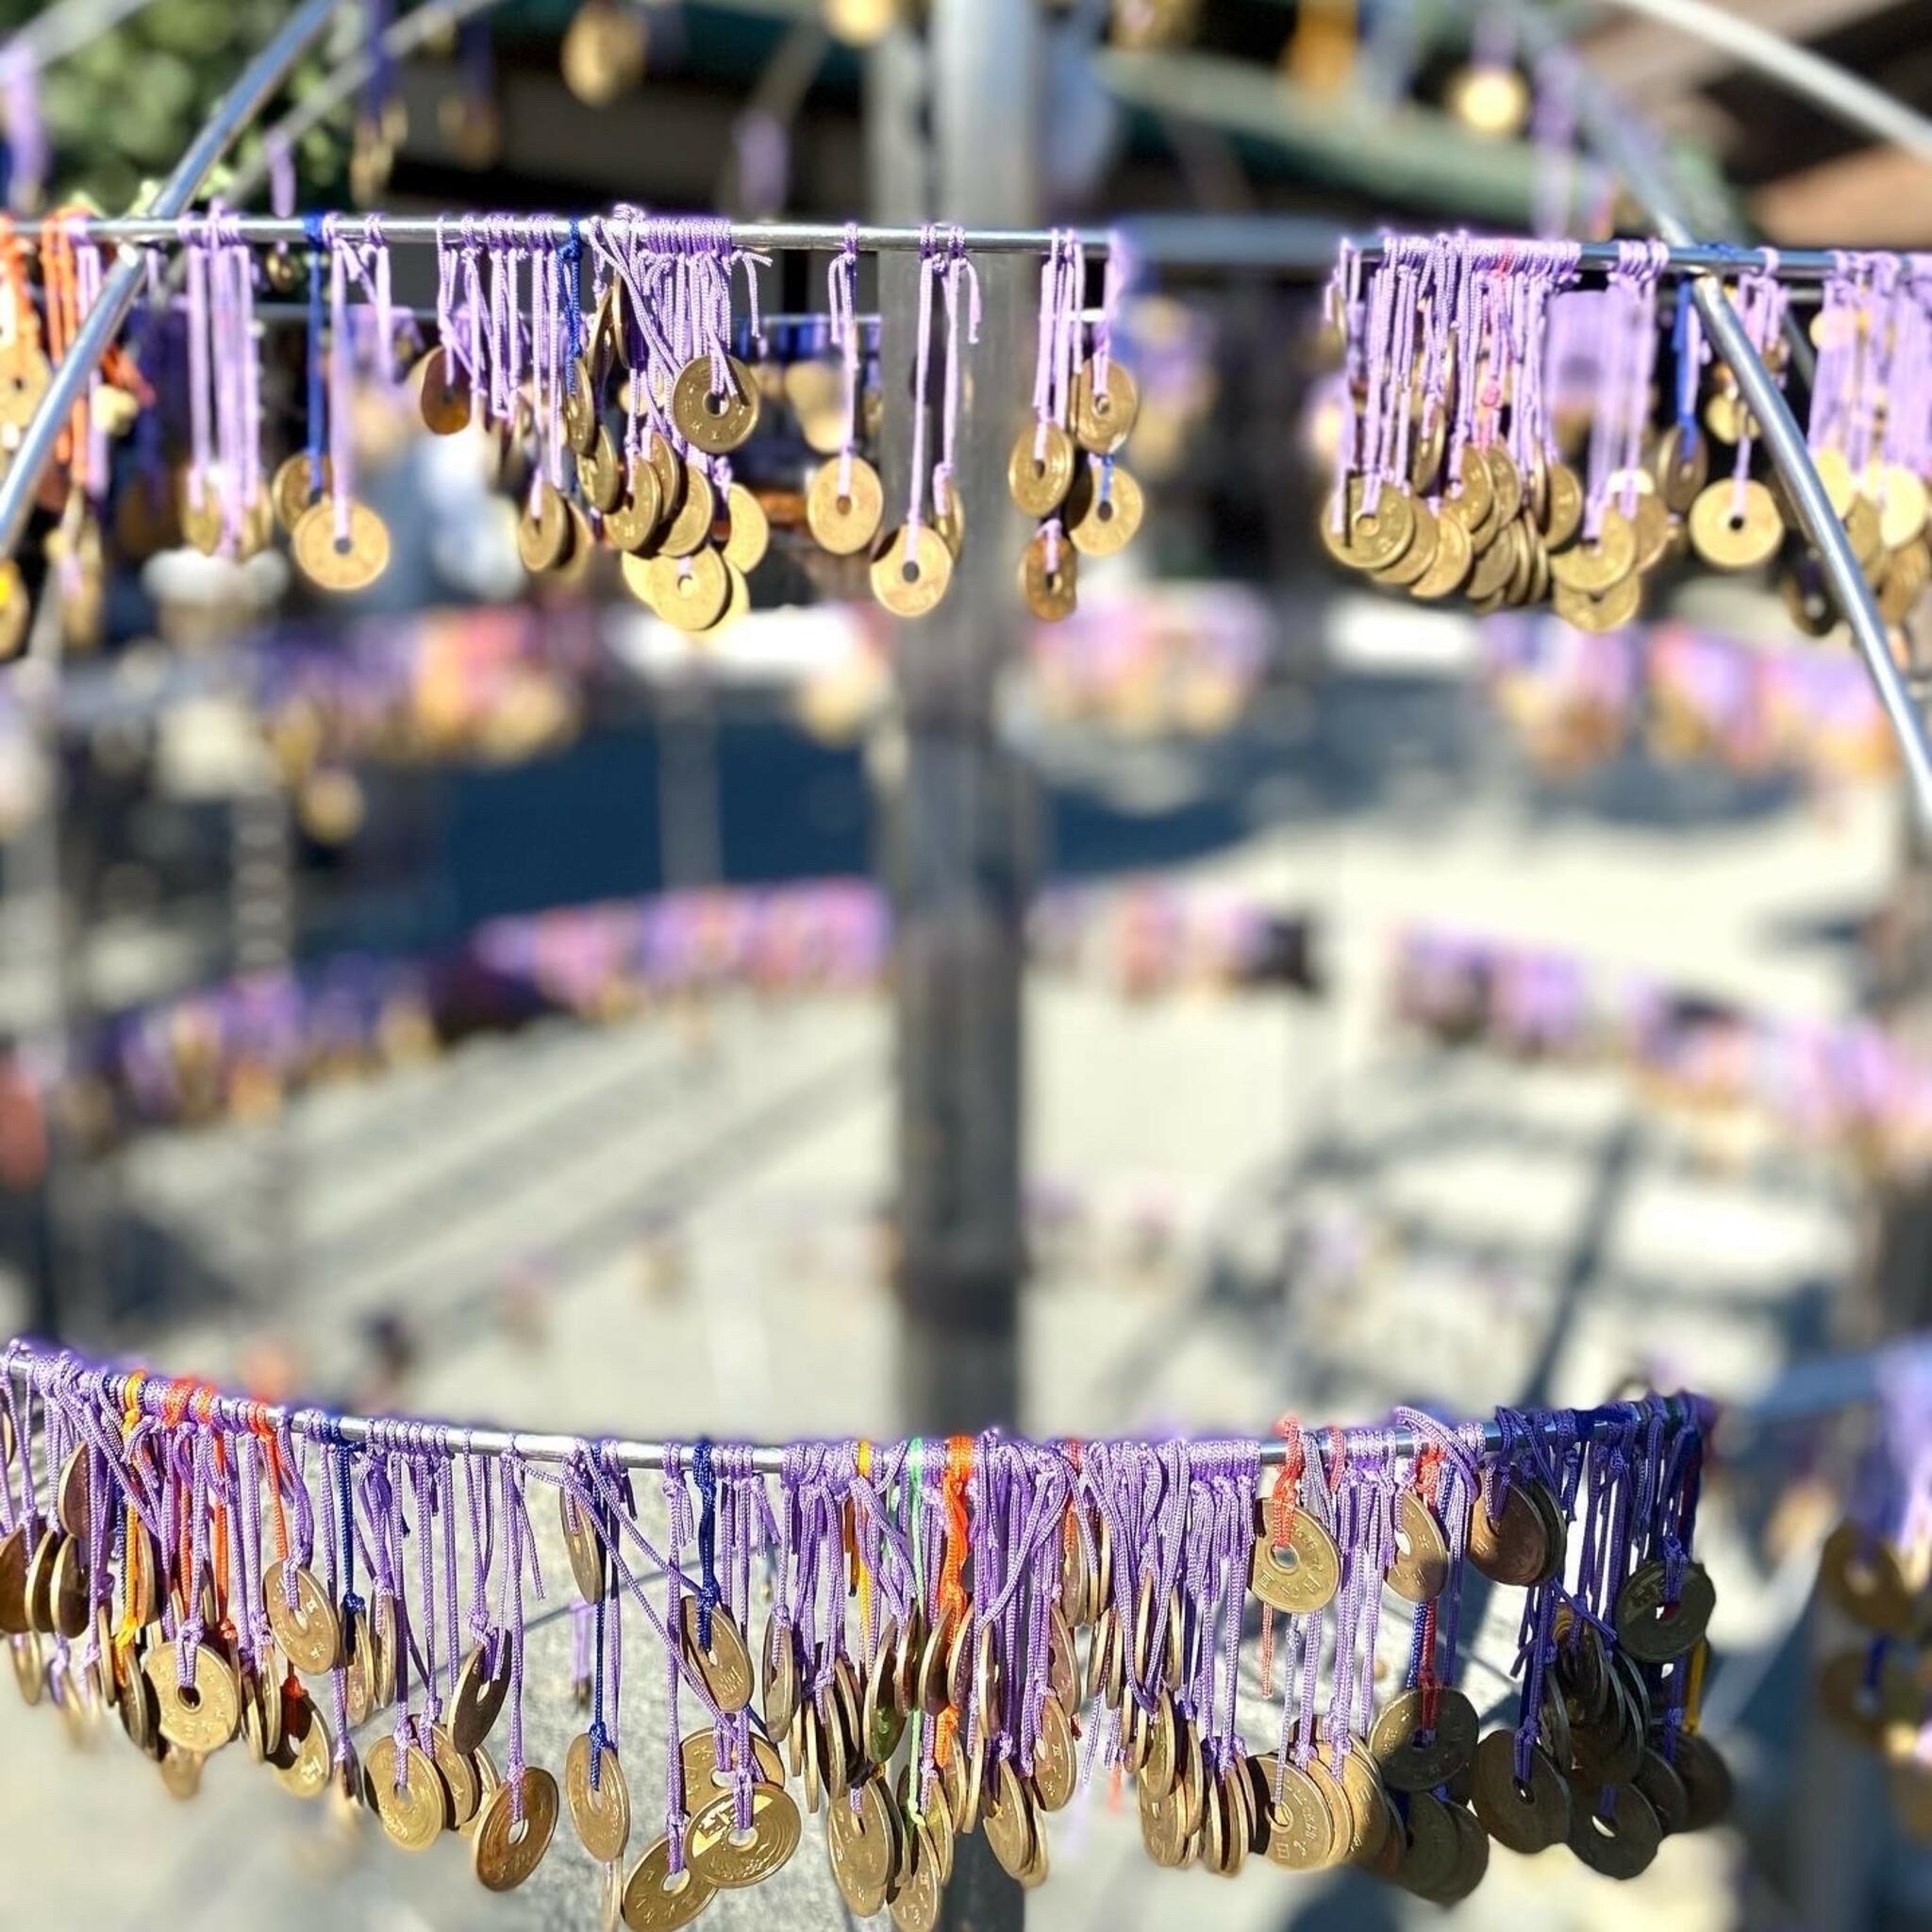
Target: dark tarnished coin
(1652, 1631)
(1615, 1832)
(1529, 1814)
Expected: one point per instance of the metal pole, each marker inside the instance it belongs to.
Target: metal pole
(1827, 85)
(959, 860)
(34, 884)
(232, 113)
(960, 866)
(263, 887)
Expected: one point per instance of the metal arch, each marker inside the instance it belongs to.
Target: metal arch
(32, 1364)
(234, 111)
(1620, 143)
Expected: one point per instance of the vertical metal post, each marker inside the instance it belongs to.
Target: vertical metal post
(957, 857)
(263, 890)
(34, 887)
(958, 838)
(691, 838)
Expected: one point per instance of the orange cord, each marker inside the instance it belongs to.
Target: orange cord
(60, 279)
(862, 1570)
(954, 1601)
(1281, 1509)
(1428, 1485)
(135, 1544)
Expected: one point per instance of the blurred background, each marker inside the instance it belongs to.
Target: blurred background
(476, 998)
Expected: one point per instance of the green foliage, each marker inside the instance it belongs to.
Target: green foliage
(120, 109)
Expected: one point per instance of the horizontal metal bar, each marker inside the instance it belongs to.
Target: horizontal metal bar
(317, 1424)
(419, 230)
(1267, 243)
(1685, 258)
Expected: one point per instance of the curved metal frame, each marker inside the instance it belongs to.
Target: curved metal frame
(1608, 130)
(1368, 1443)
(1616, 139)
(234, 111)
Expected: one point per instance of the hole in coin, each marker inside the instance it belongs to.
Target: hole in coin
(844, 505)
(910, 571)
(741, 1840)
(674, 1882)
(1604, 1827)
(189, 1696)
(518, 1831)
(1286, 1556)
(717, 404)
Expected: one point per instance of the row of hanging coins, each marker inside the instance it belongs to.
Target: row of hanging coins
(1410, 1795)
(686, 546)
(224, 506)
(1871, 440)
(889, 1849)
(1069, 477)
(1481, 490)
(1615, 1761)
(179, 1717)
(1600, 1727)
(1879, 1579)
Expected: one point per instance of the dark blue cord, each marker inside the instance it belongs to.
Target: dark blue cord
(311, 227)
(1687, 378)
(352, 1604)
(706, 1479)
(572, 254)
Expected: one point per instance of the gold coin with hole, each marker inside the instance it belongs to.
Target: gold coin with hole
(691, 592)
(338, 562)
(844, 515)
(1039, 470)
(1109, 517)
(505, 1849)
(717, 418)
(910, 572)
(1735, 526)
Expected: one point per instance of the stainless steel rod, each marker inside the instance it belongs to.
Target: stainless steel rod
(419, 230)
(232, 113)
(769, 1459)
(1236, 242)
